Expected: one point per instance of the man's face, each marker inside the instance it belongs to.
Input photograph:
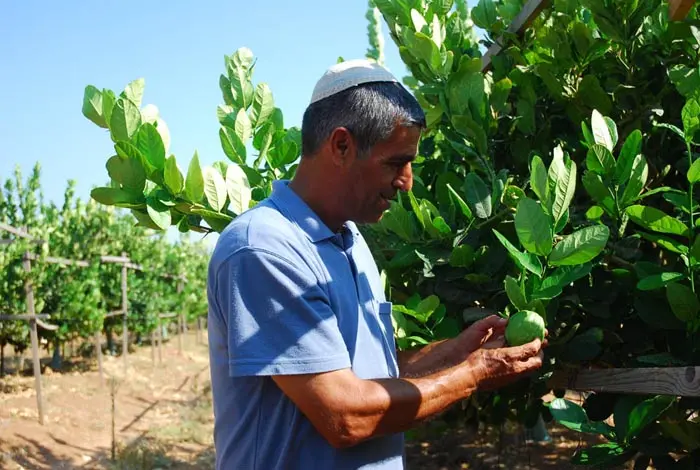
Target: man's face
(376, 179)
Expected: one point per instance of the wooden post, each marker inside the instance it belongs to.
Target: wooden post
(682, 381)
(179, 333)
(153, 347)
(521, 22)
(33, 334)
(160, 341)
(180, 319)
(98, 352)
(678, 9)
(125, 332)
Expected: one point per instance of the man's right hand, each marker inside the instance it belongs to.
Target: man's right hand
(496, 365)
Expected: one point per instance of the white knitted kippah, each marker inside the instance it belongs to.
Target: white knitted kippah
(348, 74)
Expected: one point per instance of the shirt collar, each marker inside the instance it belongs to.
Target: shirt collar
(301, 214)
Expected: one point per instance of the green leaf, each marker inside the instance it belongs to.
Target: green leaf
(399, 220)
(239, 192)
(600, 160)
(593, 94)
(665, 242)
(533, 227)
(561, 277)
(226, 115)
(637, 180)
(515, 293)
(129, 172)
(523, 260)
(263, 105)
(580, 247)
(418, 21)
(683, 301)
(214, 188)
(599, 455)
(134, 91)
(564, 177)
(462, 256)
(243, 127)
(441, 226)
(499, 94)
(574, 417)
(658, 280)
(694, 172)
(599, 192)
(108, 102)
(478, 195)
(655, 220)
(601, 131)
(125, 120)
(691, 119)
(646, 413)
(286, 148)
(116, 196)
(216, 220)
(150, 144)
(194, 184)
(415, 206)
(672, 128)
(442, 7)
(232, 145)
(630, 149)
(241, 88)
(484, 14)
(472, 130)
(159, 213)
(695, 251)
(92, 106)
(466, 211)
(173, 177)
(427, 306)
(594, 213)
(538, 181)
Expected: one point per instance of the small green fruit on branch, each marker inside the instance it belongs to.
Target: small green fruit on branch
(523, 327)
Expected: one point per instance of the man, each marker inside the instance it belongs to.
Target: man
(305, 372)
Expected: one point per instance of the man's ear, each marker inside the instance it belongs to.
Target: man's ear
(342, 146)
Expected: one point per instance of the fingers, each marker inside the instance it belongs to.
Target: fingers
(526, 351)
(491, 324)
(495, 343)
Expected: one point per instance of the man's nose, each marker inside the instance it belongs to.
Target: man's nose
(404, 181)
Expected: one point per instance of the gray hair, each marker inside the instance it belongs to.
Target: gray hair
(370, 112)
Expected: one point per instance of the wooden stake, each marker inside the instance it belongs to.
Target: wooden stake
(520, 23)
(160, 341)
(179, 333)
(153, 347)
(180, 320)
(125, 331)
(681, 381)
(34, 336)
(98, 352)
(678, 9)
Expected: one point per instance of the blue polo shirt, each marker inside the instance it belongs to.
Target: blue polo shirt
(289, 296)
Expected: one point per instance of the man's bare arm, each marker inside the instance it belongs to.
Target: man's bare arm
(348, 410)
(446, 353)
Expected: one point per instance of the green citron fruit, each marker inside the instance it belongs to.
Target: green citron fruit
(524, 327)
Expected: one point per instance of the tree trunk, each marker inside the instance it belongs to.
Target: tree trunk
(56, 360)
(110, 340)
(2, 359)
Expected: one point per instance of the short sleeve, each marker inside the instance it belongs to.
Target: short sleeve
(279, 319)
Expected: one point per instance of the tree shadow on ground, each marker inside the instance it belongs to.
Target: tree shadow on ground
(493, 448)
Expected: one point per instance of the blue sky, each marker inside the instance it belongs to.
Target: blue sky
(52, 50)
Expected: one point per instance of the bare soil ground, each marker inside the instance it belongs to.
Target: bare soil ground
(163, 419)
